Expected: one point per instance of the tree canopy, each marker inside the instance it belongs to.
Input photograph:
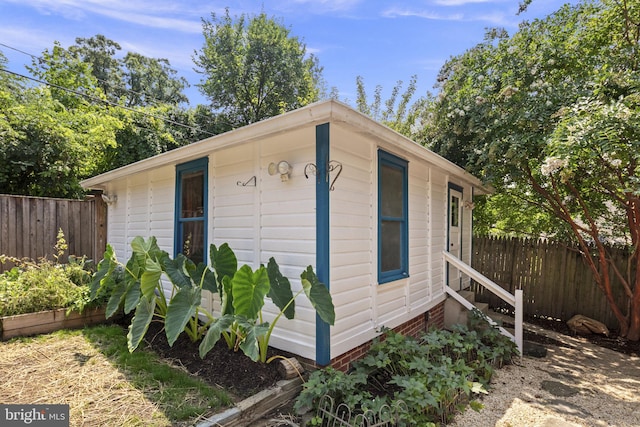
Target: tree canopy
(253, 68)
(90, 113)
(550, 118)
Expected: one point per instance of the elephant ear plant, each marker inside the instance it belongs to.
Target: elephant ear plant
(138, 286)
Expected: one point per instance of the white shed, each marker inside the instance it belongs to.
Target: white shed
(324, 185)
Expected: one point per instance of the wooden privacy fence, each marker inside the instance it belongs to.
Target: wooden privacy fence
(29, 227)
(555, 280)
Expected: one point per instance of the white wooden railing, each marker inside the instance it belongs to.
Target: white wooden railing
(514, 300)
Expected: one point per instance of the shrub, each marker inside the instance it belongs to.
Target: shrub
(44, 285)
(138, 286)
(433, 376)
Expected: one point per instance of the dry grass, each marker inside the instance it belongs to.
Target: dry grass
(66, 368)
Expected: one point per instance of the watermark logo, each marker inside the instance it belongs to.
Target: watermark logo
(34, 415)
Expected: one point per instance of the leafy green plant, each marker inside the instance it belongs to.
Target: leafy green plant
(242, 294)
(434, 375)
(32, 286)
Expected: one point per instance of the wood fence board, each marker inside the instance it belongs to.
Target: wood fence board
(29, 227)
(555, 279)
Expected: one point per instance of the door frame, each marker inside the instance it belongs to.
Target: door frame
(451, 190)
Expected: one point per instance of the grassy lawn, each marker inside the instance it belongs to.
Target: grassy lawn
(93, 371)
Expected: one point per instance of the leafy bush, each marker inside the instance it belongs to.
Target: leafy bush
(434, 376)
(44, 285)
(138, 286)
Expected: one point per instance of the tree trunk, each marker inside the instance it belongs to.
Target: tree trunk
(634, 315)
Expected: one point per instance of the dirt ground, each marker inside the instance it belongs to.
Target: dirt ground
(579, 383)
(222, 367)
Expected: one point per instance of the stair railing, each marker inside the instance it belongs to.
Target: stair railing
(516, 301)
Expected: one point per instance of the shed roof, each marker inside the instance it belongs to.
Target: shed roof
(320, 112)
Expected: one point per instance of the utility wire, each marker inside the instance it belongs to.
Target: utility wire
(105, 101)
(41, 60)
(157, 101)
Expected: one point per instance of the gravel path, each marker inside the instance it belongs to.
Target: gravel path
(578, 385)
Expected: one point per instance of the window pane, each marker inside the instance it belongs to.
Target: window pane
(391, 191)
(193, 240)
(455, 211)
(193, 194)
(391, 251)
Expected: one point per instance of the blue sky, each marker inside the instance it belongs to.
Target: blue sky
(382, 41)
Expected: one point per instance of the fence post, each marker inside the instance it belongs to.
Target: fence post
(518, 319)
(100, 228)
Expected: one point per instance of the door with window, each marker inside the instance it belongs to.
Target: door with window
(454, 234)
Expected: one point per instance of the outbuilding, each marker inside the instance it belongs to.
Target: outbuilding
(324, 185)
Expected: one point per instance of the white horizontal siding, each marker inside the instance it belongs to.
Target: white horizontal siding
(419, 266)
(352, 246)
(438, 227)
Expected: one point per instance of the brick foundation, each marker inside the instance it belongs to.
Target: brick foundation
(414, 327)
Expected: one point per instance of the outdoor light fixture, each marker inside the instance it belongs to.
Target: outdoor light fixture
(283, 168)
(109, 199)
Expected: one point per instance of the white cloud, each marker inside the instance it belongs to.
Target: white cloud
(425, 14)
(317, 6)
(493, 18)
(156, 14)
(460, 2)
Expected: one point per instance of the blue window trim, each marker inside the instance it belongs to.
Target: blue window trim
(189, 167)
(387, 159)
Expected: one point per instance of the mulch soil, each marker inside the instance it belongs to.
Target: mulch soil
(612, 342)
(242, 377)
(221, 367)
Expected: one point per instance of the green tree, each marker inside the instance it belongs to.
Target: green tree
(100, 53)
(150, 81)
(398, 114)
(550, 118)
(52, 137)
(253, 68)
(135, 80)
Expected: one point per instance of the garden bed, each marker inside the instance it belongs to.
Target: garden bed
(48, 321)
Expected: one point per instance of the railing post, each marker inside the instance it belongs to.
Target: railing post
(519, 310)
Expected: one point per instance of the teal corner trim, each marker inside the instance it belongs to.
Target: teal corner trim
(323, 334)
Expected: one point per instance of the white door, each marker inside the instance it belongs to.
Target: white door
(454, 235)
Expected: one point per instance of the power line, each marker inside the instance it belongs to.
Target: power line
(105, 101)
(157, 101)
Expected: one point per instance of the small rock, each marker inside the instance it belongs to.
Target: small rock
(583, 325)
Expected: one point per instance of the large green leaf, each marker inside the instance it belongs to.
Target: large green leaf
(249, 291)
(226, 292)
(105, 268)
(319, 295)
(182, 307)
(203, 277)
(146, 247)
(213, 333)
(118, 291)
(140, 322)
(224, 261)
(250, 346)
(280, 290)
(176, 272)
(141, 251)
(132, 297)
(149, 280)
